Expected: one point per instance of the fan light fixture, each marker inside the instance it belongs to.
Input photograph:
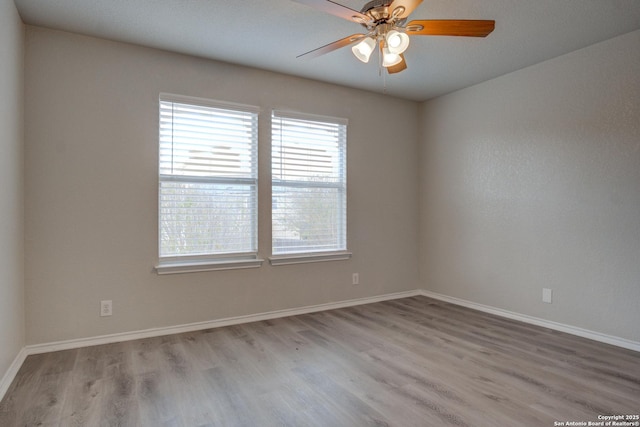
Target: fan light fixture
(392, 42)
(396, 41)
(389, 59)
(364, 49)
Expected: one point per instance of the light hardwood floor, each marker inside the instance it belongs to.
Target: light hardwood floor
(408, 362)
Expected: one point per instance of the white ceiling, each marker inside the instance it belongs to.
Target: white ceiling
(269, 34)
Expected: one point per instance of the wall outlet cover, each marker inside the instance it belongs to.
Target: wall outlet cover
(106, 308)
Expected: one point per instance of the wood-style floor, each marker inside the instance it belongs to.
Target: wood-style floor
(408, 362)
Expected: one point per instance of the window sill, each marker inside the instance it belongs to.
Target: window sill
(305, 258)
(198, 266)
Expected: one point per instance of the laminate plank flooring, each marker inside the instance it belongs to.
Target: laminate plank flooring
(407, 362)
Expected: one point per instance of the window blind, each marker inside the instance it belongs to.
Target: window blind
(208, 178)
(309, 179)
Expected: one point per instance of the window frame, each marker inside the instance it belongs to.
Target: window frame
(213, 261)
(285, 258)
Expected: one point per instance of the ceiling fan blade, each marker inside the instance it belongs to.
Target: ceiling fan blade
(450, 27)
(400, 66)
(336, 9)
(333, 46)
(408, 5)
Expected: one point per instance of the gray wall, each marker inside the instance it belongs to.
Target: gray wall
(91, 137)
(532, 180)
(12, 330)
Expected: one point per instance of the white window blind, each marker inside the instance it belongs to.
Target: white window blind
(309, 183)
(208, 178)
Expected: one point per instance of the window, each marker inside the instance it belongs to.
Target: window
(309, 184)
(208, 185)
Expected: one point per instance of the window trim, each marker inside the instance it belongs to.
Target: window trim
(312, 255)
(307, 257)
(210, 262)
(175, 265)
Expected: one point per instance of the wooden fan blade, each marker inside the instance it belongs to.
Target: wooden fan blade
(336, 9)
(450, 27)
(333, 46)
(400, 66)
(408, 5)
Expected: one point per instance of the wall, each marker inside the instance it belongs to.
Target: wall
(12, 333)
(91, 109)
(532, 180)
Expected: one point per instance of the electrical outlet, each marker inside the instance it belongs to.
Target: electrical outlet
(546, 295)
(106, 308)
(355, 279)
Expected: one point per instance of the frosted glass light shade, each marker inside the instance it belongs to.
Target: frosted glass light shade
(396, 41)
(390, 59)
(363, 50)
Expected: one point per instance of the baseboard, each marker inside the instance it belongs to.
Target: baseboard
(8, 377)
(190, 327)
(573, 330)
(11, 373)
(155, 332)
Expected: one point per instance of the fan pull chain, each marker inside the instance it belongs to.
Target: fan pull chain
(382, 74)
(384, 83)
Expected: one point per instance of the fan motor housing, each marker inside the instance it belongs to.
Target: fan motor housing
(380, 12)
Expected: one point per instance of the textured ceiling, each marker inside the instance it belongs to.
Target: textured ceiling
(269, 34)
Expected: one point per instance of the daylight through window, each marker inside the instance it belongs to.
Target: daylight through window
(309, 183)
(208, 178)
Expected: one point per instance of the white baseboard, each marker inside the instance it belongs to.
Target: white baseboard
(190, 327)
(8, 377)
(573, 330)
(155, 332)
(11, 373)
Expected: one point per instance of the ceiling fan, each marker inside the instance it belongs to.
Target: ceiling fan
(387, 27)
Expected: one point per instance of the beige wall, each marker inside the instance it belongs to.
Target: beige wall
(91, 111)
(532, 180)
(523, 182)
(12, 331)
